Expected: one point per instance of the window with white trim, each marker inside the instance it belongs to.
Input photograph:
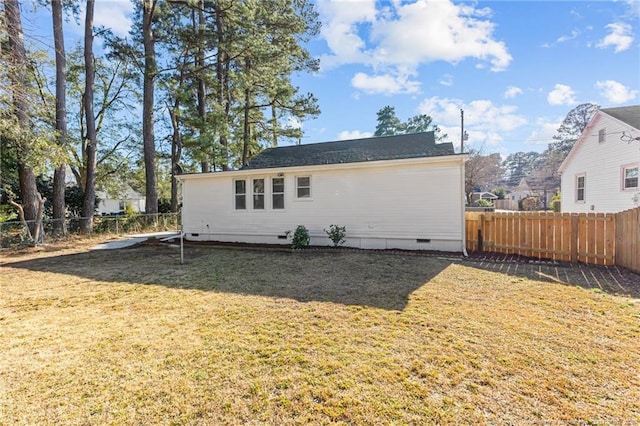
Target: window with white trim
(580, 187)
(602, 135)
(258, 194)
(277, 193)
(629, 177)
(303, 187)
(240, 191)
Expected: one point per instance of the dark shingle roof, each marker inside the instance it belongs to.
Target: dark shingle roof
(629, 115)
(352, 151)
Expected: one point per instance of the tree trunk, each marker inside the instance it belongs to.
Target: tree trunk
(88, 203)
(148, 136)
(202, 90)
(222, 77)
(246, 134)
(59, 208)
(176, 153)
(28, 190)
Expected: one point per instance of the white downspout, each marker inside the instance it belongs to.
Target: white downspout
(463, 199)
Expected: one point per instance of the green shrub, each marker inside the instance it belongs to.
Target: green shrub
(555, 203)
(300, 237)
(484, 203)
(337, 234)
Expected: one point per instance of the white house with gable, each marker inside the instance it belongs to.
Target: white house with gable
(394, 192)
(600, 174)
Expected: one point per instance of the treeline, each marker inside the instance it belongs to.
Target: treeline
(197, 85)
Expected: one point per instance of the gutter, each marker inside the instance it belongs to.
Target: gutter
(462, 200)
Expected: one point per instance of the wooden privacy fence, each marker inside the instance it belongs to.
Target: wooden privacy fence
(628, 239)
(593, 238)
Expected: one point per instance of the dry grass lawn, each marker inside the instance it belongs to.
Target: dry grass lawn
(241, 336)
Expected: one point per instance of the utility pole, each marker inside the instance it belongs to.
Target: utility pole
(462, 134)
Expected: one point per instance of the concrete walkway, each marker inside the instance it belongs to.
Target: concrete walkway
(130, 240)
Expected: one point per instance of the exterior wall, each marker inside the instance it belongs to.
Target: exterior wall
(383, 205)
(601, 164)
(111, 206)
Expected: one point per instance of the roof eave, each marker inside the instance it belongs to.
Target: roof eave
(334, 166)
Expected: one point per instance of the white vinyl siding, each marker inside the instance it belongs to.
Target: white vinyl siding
(603, 165)
(381, 206)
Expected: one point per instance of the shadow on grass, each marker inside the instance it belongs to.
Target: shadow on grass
(374, 279)
(359, 278)
(608, 279)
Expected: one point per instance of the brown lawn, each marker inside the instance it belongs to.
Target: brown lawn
(239, 336)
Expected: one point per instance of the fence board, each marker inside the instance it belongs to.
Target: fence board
(627, 239)
(593, 238)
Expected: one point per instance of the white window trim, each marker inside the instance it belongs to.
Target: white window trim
(264, 194)
(310, 197)
(234, 194)
(602, 135)
(271, 193)
(623, 169)
(584, 188)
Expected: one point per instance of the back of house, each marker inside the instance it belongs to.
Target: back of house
(395, 192)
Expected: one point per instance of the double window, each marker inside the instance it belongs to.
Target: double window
(580, 187)
(629, 177)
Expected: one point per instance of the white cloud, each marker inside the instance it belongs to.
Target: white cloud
(512, 92)
(353, 134)
(616, 93)
(563, 38)
(562, 95)
(446, 80)
(620, 37)
(339, 29)
(396, 37)
(543, 133)
(112, 14)
(483, 121)
(427, 31)
(385, 84)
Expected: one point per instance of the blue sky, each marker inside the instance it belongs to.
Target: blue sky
(515, 67)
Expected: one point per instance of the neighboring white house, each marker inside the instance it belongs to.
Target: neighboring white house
(116, 202)
(404, 192)
(600, 174)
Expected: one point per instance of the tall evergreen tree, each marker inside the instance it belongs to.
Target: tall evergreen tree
(31, 206)
(59, 176)
(88, 204)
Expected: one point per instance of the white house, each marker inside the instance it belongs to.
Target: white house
(600, 174)
(404, 192)
(116, 202)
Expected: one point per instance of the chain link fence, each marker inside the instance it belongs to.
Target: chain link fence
(15, 234)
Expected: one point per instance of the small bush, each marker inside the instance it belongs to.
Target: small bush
(555, 203)
(484, 203)
(337, 234)
(300, 237)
